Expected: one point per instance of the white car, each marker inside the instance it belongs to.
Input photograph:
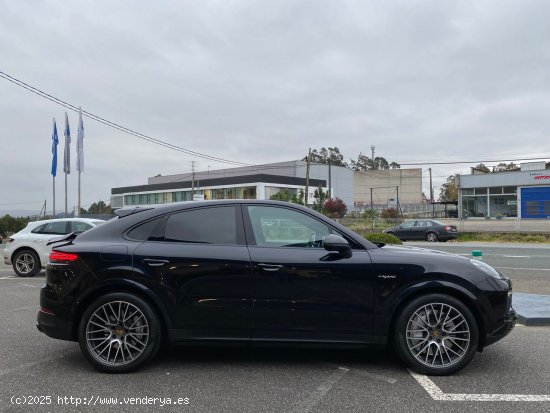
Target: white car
(27, 250)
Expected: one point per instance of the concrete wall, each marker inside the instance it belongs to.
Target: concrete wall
(409, 182)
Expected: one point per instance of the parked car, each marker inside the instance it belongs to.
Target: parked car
(424, 229)
(264, 273)
(27, 251)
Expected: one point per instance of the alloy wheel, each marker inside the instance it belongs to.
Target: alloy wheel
(117, 333)
(25, 263)
(438, 335)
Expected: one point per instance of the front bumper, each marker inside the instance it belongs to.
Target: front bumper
(506, 327)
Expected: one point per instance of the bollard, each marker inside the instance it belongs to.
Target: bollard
(477, 255)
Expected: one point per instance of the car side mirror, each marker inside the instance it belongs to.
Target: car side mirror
(337, 243)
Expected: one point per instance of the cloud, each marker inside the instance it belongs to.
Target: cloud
(263, 81)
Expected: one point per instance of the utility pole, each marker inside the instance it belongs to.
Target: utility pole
(192, 180)
(371, 204)
(307, 176)
(431, 187)
(329, 181)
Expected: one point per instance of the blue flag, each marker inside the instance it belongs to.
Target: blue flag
(55, 141)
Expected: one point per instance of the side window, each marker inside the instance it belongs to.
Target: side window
(428, 224)
(79, 226)
(421, 223)
(212, 225)
(143, 231)
(408, 224)
(282, 227)
(39, 229)
(54, 228)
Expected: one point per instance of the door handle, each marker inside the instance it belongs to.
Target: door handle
(270, 267)
(151, 262)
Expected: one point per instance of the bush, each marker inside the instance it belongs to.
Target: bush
(384, 238)
(389, 213)
(335, 208)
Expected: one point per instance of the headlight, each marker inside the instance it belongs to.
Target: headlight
(486, 268)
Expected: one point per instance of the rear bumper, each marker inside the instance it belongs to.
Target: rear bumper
(50, 325)
(508, 325)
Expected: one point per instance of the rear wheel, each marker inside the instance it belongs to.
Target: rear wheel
(26, 263)
(436, 334)
(431, 237)
(119, 332)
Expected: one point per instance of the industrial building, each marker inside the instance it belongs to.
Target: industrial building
(524, 193)
(264, 181)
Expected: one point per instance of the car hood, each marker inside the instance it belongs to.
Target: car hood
(422, 254)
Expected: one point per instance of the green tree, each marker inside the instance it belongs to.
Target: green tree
(482, 168)
(283, 195)
(319, 196)
(503, 167)
(99, 207)
(449, 190)
(364, 163)
(324, 155)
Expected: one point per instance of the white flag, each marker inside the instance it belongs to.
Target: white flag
(80, 144)
(67, 154)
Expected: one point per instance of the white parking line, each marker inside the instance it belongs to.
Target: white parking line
(33, 307)
(437, 394)
(317, 395)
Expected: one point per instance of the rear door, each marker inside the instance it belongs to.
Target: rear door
(41, 235)
(420, 229)
(200, 258)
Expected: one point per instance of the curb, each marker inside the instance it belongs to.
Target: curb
(532, 309)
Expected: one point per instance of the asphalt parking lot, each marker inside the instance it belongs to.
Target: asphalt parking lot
(511, 376)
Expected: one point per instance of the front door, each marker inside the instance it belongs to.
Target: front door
(301, 291)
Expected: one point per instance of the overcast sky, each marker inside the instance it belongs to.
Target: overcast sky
(261, 81)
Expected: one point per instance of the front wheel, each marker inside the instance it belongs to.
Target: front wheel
(436, 334)
(26, 263)
(119, 332)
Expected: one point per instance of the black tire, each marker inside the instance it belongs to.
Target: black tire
(446, 338)
(26, 263)
(432, 237)
(140, 334)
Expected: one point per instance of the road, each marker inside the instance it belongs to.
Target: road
(528, 265)
(512, 375)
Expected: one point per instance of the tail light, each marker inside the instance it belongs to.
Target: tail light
(58, 256)
(448, 228)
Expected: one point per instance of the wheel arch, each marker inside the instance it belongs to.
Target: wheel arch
(123, 286)
(22, 248)
(453, 290)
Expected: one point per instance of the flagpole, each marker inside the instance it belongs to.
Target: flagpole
(65, 194)
(79, 154)
(53, 175)
(53, 179)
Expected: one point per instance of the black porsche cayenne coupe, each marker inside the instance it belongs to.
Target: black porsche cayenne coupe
(264, 272)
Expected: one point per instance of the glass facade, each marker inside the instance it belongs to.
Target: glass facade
(244, 192)
(490, 202)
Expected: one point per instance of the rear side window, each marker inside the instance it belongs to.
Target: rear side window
(55, 228)
(143, 231)
(80, 226)
(214, 225)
